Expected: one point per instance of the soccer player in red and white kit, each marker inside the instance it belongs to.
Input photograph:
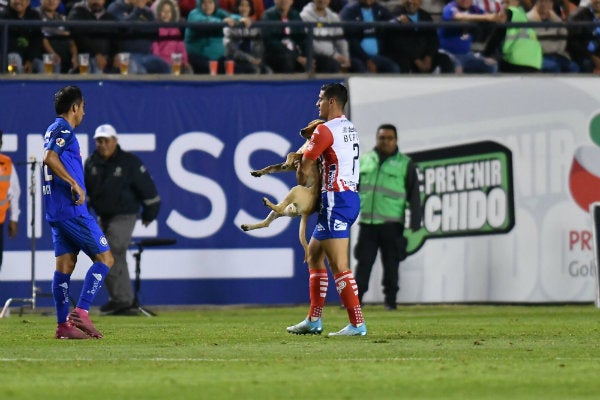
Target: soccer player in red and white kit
(336, 143)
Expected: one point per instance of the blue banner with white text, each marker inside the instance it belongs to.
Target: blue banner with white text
(199, 140)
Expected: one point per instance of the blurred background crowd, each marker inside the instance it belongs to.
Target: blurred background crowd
(227, 37)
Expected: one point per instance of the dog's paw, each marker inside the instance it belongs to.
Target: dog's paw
(245, 228)
(265, 201)
(257, 174)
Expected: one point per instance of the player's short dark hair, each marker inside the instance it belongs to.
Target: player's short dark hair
(66, 97)
(336, 91)
(390, 127)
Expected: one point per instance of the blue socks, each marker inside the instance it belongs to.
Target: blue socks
(60, 292)
(91, 284)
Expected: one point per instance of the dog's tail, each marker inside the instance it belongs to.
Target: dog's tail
(302, 235)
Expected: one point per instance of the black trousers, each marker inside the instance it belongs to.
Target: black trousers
(389, 238)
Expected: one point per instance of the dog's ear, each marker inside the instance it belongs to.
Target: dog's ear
(308, 130)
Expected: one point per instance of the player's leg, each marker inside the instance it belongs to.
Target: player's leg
(337, 255)
(341, 211)
(317, 283)
(66, 257)
(84, 232)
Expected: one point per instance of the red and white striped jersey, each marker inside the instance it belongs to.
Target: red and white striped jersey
(337, 143)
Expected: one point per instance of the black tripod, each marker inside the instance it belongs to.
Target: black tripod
(138, 258)
(35, 291)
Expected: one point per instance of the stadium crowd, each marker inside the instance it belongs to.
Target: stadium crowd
(391, 46)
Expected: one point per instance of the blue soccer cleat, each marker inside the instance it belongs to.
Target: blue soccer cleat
(307, 327)
(351, 330)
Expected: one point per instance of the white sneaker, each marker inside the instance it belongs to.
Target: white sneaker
(351, 330)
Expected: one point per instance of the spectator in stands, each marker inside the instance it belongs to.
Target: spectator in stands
(519, 48)
(330, 48)
(366, 43)
(170, 39)
(244, 44)
(98, 42)
(485, 30)
(553, 39)
(206, 44)
(457, 42)
(415, 50)
(232, 6)
(24, 41)
(488, 6)
(57, 40)
(334, 5)
(583, 42)
(137, 41)
(285, 46)
(61, 8)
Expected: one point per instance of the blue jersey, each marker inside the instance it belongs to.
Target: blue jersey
(58, 201)
(456, 40)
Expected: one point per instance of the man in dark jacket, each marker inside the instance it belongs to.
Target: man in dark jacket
(389, 185)
(24, 41)
(583, 42)
(118, 185)
(415, 50)
(366, 43)
(98, 42)
(137, 39)
(285, 47)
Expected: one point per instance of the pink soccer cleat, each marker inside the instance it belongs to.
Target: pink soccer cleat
(81, 320)
(67, 330)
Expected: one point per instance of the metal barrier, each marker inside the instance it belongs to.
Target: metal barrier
(309, 27)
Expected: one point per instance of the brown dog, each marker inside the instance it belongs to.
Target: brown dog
(300, 200)
(291, 158)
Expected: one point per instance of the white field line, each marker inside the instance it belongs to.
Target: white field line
(203, 359)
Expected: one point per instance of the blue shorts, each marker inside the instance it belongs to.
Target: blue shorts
(78, 233)
(338, 212)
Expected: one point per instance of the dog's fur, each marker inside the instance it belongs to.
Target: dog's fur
(300, 200)
(291, 159)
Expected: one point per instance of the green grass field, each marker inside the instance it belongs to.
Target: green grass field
(417, 352)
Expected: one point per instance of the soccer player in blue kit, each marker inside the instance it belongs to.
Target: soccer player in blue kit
(73, 228)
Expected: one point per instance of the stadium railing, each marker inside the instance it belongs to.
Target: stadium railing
(5, 25)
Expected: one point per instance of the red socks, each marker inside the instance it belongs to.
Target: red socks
(346, 287)
(348, 291)
(317, 283)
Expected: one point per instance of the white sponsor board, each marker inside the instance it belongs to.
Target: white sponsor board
(548, 255)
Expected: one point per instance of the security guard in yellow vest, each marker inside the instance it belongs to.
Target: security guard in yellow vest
(520, 48)
(10, 191)
(388, 182)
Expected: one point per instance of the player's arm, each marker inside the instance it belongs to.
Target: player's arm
(145, 189)
(321, 139)
(53, 162)
(305, 172)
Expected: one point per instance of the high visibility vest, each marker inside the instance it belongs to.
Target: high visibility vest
(382, 188)
(521, 46)
(6, 167)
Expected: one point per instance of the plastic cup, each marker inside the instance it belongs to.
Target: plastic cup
(124, 63)
(13, 63)
(176, 63)
(84, 63)
(213, 67)
(48, 63)
(229, 67)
